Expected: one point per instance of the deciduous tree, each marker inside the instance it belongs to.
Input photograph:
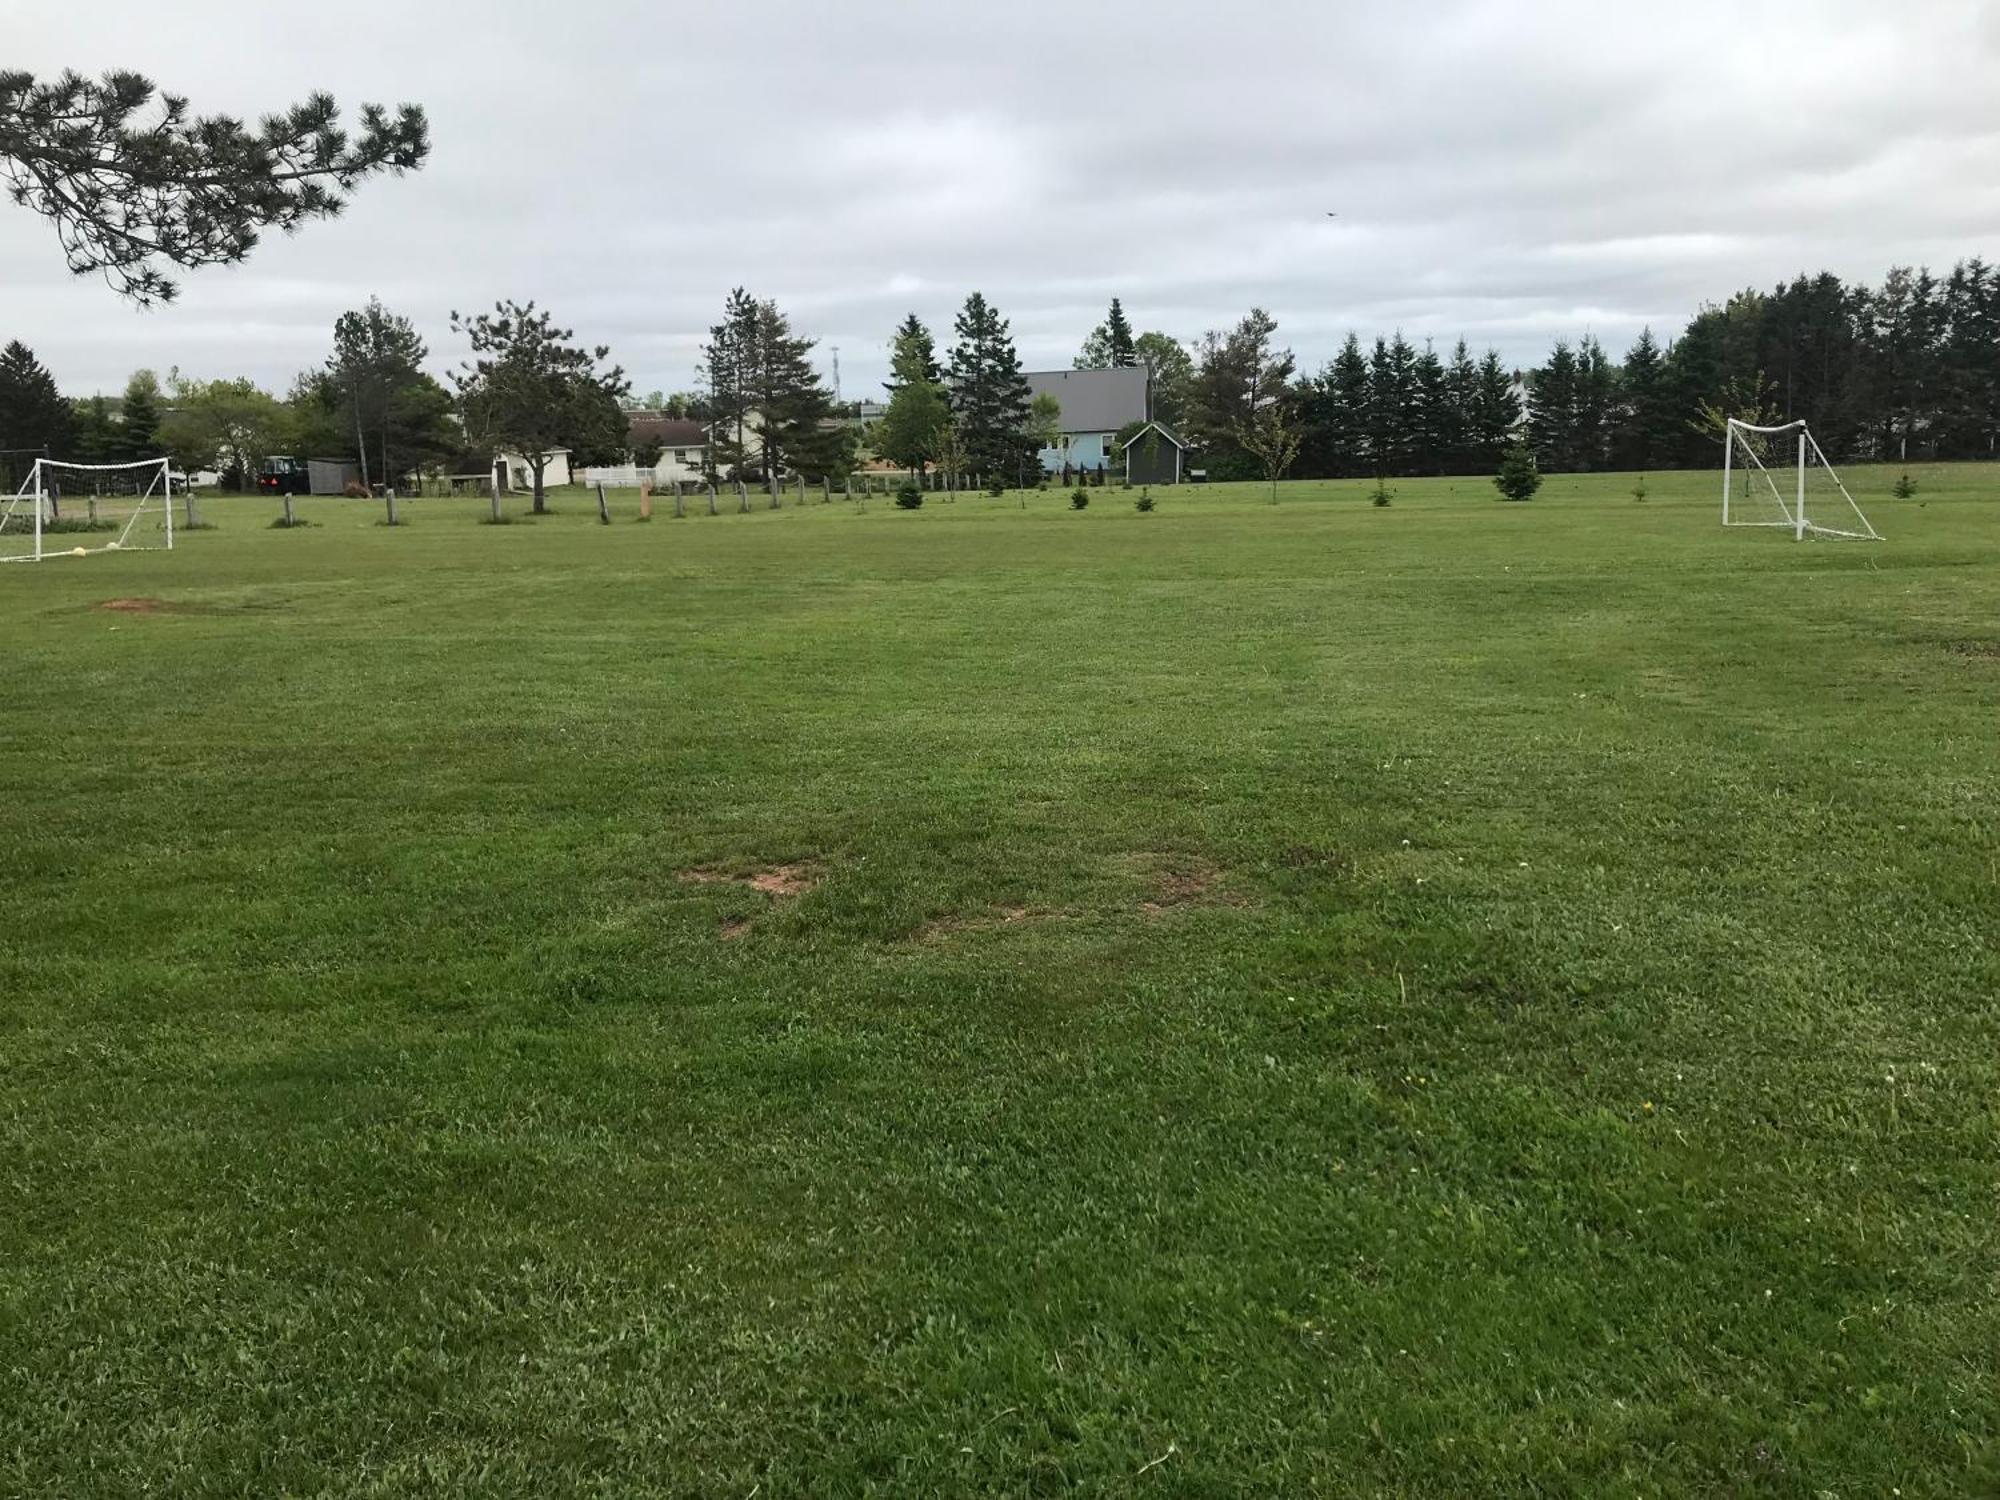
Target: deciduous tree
(906, 432)
(377, 366)
(1169, 373)
(228, 425)
(1272, 439)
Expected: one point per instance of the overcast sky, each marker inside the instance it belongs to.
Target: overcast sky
(1508, 170)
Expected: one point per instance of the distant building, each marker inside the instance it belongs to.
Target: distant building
(1095, 405)
(1155, 455)
(683, 446)
(515, 472)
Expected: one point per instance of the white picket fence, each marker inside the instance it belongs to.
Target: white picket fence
(617, 477)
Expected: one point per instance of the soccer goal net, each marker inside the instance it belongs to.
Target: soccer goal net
(1777, 476)
(73, 510)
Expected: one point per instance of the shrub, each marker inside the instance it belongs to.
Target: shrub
(1518, 478)
(908, 496)
(996, 486)
(1903, 488)
(355, 490)
(1639, 489)
(1381, 494)
(1145, 500)
(1078, 499)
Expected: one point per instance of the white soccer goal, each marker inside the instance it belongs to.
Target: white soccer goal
(1777, 476)
(73, 510)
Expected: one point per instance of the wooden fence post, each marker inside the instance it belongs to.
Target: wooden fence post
(389, 498)
(603, 510)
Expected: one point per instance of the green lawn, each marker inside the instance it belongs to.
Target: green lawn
(1455, 1000)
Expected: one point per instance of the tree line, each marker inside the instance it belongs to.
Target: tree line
(1906, 370)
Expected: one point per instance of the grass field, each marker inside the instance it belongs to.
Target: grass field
(1456, 999)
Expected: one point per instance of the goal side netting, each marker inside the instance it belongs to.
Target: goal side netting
(1777, 476)
(74, 510)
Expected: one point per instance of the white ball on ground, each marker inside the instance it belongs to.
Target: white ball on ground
(76, 552)
(112, 546)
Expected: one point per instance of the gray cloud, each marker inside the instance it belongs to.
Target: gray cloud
(1507, 171)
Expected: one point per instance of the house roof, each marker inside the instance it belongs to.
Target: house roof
(668, 432)
(1163, 430)
(1094, 400)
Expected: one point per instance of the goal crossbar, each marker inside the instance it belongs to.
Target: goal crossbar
(1789, 506)
(38, 494)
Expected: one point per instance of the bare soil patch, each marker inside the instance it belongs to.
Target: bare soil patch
(735, 927)
(1175, 881)
(772, 880)
(1989, 649)
(785, 880)
(136, 606)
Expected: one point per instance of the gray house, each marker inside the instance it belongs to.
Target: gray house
(1095, 404)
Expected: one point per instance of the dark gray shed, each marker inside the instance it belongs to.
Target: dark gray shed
(1155, 456)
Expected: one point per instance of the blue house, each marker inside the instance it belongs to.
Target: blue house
(1095, 404)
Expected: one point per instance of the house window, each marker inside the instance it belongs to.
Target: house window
(680, 455)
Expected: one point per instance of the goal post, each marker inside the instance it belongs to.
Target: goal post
(1779, 477)
(74, 510)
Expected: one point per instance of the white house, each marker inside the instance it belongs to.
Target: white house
(517, 473)
(683, 446)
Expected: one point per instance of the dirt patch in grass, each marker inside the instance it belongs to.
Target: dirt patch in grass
(772, 880)
(1175, 881)
(136, 606)
(785, 880)
(1988, 649)
(735, 927)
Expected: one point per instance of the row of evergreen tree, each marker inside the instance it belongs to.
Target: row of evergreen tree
(1906, 370)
